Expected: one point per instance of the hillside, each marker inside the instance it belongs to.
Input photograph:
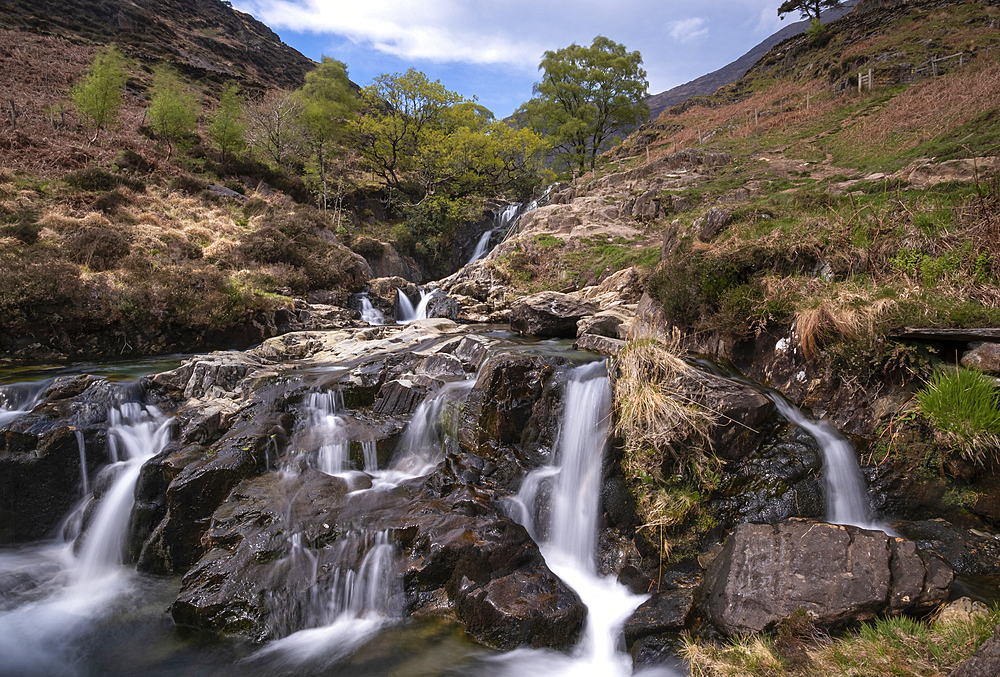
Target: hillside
(206, 39)
(709, 83)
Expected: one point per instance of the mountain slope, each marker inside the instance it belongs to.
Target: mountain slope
(207, 39)
(708, 84)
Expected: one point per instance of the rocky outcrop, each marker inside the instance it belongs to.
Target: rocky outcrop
(663, 612)
(986, 662)
(983, 356)
(968, 552)
(836, 574)
(549, 314)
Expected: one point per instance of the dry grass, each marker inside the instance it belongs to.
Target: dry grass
(844, 315)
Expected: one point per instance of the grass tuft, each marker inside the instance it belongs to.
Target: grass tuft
(964, 405)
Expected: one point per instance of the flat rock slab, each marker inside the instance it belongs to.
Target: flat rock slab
(837, 574)
(549, 314)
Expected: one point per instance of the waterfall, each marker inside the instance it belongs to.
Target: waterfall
(570, 545)
(41, 625)
(349, 608)
(422, 446)
(82, 447)
(325, 431)
(370, 313)
(20, 398)
(483, 243)
(846, 496)
(405, 312)
(370, 454)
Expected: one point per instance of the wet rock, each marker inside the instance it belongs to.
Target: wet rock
(401, 397)
(663, 612)
(514, 402)
(442, 305)
(983, 356)
(968, 552)
(837, 574)
(986, 661)
(385, 288)
(549, 314)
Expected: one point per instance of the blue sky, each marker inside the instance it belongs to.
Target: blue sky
(491, 50)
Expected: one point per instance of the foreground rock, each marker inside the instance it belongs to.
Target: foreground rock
(836, 574)
(549, 314)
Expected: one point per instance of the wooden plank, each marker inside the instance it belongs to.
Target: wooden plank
(989, 334)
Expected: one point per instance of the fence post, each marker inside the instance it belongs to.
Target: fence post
(861, 79)
(934, 68)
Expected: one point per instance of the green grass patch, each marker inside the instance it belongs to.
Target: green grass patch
(964, 405)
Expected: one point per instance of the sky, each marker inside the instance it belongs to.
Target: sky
(490, 49)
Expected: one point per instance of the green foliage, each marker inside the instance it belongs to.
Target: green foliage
(328, 102)
(586, 96)
(226, 129)
(173, 108)
(964, 405)
(423, 139)
(98, 96)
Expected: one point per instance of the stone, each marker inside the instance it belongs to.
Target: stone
(837, 574)
(442, 305)
(621, 288)
(663, 612)
(983, 356)
(986, 661)
(712, 223)
(646, 206)
(549, 314)
(610, 323)
(227, 193)
(967, 552)
(600, 344)
(962, 610)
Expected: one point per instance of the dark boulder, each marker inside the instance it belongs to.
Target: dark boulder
(663, 612)
(986, 662)
(968, 552)
(549, 314)
(836, 574)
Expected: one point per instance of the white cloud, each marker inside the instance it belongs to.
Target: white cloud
(688, 30)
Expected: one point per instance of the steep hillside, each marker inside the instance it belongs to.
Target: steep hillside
(708, 84)
(208, 39)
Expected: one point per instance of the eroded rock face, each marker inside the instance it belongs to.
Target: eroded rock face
(549, 314)
(836, 574)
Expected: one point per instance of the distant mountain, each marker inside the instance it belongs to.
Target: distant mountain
(708, 84)
(207, 39)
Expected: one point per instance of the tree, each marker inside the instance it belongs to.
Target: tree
(423, 139)
(98, 96)
(173, 108)
(273, 129)
(807, 9)
(328, 101)
(585, 97)
(226, 129)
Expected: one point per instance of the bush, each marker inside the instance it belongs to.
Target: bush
(97, 248)
(96, 179)
(110, 202)
(185, 183)
(964, 405)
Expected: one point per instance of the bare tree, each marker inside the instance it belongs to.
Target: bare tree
(273, 128)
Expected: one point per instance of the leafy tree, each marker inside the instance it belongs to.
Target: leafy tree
(328, 102)
(807, 9)
(226, 129)
(423, 139)
(273, 129)
(173, 109)
(585, 97)
(98, 96)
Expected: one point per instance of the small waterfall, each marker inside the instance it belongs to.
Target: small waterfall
(82, 447)
(405, 312)
(349, 608)
(422, 446)
(20, 398)
(370, 454)
(483, 243)
(846, 496)
(570, 546)
(325, 431)
(136, 433)
(370, 313)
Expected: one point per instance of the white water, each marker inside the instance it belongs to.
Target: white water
(40, 631)
(370, 313)
(356, 603)
(570, 547)
(19, 399)
(325, 430)
(82, 447)
(846, 496)
(405, 312)
(483, 243)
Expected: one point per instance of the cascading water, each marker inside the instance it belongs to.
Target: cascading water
(405, 312)
(39, 633)
(481, 246)
(570, 545)
(846, 496)
(19, 399)
(325, 430)
(370, 313)
(355, 604)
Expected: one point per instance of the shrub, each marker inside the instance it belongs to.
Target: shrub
(96, 179)
(97, 248)
(185, 183)
(110, 202)
(964, 405)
